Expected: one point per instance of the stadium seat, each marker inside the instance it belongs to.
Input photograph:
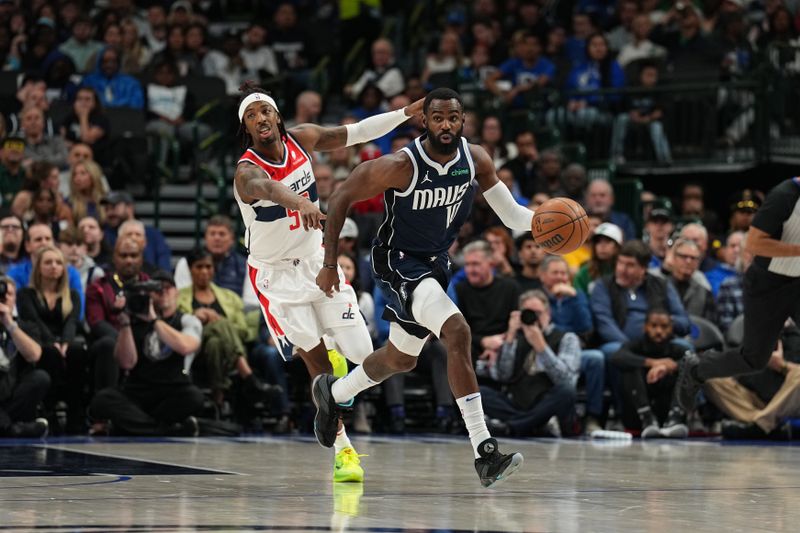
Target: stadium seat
(705, 335)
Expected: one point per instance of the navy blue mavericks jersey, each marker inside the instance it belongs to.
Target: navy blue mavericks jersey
(425, 218)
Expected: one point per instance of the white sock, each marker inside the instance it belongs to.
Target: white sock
(342, 440)
(472, 413)
(345, 389)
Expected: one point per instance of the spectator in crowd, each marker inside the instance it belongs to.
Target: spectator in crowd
(230, 266)
(136, 54)
(693, 208)
(649, 369)
(730, 300)
(622, 34)
(600, 200)
(684, 259)
(743, 208)
(289, 40)
(640, 47)
(575, 45)
(689, 52)
(39, 145)
(598, 71)
(258, 58)
(442, 66)
(728, 255)
(758, 403)
(134, 229)
(105, 301)
(45, 210)
(12, 232)
(39, 236)
(524, 164)
(699, 234)
(32, 93)
(12, 174)
(307, 109)
(530, 17)
(42, 175)
(606, 243)
(70, 242)
(323, 175)
(174, 53)
(536, 370)
(575, 182)
(383, 73)
(114, 88)
(81, 47)
(526, 72)
(502, 245)
(492, 141)
(155, 31)
(658, 228)
(77, 153)
(550, 172)
(92, 236)
(227, 63)
(86, 190)
(171, 108)
(221, 312)
(645, 110)
(54, 308)
(569, 308)
(87, 123)
(485, 300)
(119, 207)
(157, 398)
(530, 256)
(22, 386)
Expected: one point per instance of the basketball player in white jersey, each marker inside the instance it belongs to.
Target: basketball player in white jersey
(277, 195)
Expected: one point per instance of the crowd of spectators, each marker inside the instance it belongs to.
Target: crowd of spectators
(104, 324)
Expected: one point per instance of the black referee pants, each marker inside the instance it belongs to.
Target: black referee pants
(769, 299)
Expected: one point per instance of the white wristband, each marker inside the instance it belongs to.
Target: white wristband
(374, 127)
(512, 214)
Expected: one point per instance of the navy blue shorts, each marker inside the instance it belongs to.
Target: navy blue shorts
(398, 273)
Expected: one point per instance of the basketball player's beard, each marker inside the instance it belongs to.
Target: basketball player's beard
(446, 148)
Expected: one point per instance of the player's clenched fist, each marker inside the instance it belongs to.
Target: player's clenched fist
(328, 280)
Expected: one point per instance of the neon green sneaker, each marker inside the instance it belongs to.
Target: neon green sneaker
(338, 362)
(347, 466)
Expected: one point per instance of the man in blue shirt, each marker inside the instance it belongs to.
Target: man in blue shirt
(118, 207)
(114, 88)
(527, 71)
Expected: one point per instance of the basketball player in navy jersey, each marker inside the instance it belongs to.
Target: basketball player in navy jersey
(428, 190)
(277, 196)
(771, 295)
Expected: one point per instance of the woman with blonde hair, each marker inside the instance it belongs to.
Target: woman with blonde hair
(135, 54)
(52, 309)
(86, 190)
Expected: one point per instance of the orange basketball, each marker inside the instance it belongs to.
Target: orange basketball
(560, 226)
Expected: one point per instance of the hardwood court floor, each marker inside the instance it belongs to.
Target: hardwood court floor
(421, 484)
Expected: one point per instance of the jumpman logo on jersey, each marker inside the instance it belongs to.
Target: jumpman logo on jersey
(426, 178)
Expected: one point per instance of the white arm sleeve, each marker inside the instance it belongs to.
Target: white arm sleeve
(512, 214)
(374, 127)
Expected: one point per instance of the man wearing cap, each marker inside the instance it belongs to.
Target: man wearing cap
(657, 230)
(11, 172)
(743, 209)
(119, 207)
(606, 242)
(277, 196)
(158, 398)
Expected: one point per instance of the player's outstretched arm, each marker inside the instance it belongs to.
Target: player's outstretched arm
(367, 180)
(497, 195)
(320, 138)
(252, 184)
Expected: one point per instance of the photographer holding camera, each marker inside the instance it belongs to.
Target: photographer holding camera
(537, 370)
(53, 307)
(158, 398)
(22, 387)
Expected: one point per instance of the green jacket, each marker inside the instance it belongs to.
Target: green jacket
(582, 279)
(231, 304)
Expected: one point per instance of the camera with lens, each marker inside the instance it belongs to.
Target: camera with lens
(528, 317)
(137, 295)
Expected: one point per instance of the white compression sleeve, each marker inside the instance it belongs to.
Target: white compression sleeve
(512, 214)
(374, 127)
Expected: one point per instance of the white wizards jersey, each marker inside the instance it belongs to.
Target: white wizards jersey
(272, 232)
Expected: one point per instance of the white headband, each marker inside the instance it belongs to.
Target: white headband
(255, 97)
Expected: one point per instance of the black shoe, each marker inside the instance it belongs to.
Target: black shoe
(29, 430)
(735, 430)
(493, 466)
(675, 427)
(188, 428)
(326, 421)
(258, 391)
(687, 385)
